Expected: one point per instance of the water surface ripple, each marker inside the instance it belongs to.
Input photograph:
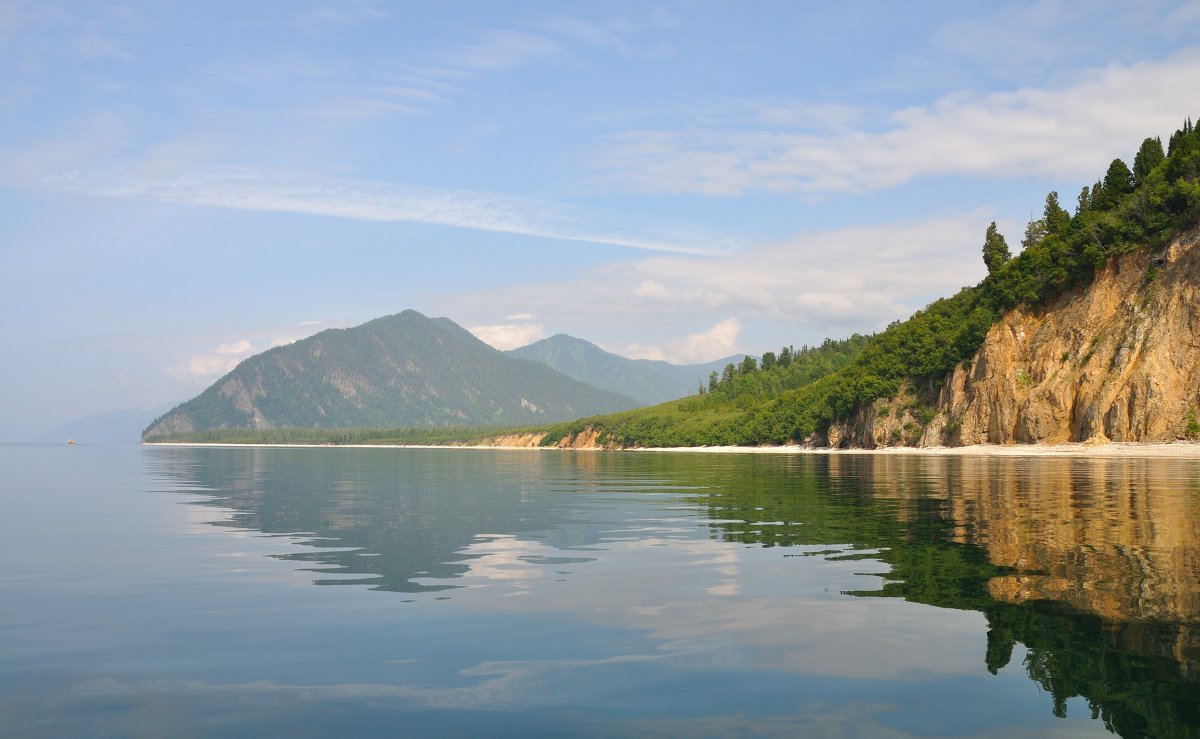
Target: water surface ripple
(153, 591)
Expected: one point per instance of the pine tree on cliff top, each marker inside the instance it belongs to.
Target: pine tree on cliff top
(995, 249)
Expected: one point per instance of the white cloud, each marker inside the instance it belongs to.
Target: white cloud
(210, 365)
(719, 341)
(238, 347)
(520, 317)
(506, 336)
(202, 367)
(369, 201)
(825, 284)
(1066, 132)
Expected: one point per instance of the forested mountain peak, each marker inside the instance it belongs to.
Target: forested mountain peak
(402, 370)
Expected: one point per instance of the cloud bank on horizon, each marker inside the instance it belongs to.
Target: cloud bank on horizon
(186, 186)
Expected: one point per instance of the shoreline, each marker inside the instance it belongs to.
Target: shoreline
(1114, 449)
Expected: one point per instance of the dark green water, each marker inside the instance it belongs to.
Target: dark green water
(175, 591)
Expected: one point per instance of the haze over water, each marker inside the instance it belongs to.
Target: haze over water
(152, 591)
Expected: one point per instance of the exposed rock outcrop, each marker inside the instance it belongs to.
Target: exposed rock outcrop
(589, 438)
(1117, 360)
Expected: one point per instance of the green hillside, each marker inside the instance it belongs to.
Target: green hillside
(1141, 207)
(404, 370)
(730, 399)
(648, 381)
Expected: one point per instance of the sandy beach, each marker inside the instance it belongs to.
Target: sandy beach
(1177, 450)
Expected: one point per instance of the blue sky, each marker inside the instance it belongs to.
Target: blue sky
(183, 184)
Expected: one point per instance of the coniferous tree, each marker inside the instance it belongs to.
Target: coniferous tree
(1035, 231)
(995, 249)
(1055, 217)
(1173, 144)
(1149, 156)
(1118, 182)
(1084, 202)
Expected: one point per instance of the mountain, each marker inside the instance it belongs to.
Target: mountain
(122, 426)
(404, 370)
(1087, 334)
(648, 381)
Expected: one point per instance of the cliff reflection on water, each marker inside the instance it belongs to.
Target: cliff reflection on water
(1097, 571)
(1092, 564)
(1118, 538)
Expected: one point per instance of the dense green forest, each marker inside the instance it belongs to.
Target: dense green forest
(777, 402)
(716, 414)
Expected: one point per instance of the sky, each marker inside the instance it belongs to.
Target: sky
(185, 184)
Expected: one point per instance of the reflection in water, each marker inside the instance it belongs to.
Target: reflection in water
(1117, 538)
(1092, 565)
(401, 522)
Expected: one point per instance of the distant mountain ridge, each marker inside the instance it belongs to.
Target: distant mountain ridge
(649, 381)
(404, 370)
(122, 426)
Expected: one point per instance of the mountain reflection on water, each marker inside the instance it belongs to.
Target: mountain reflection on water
(1092, 564)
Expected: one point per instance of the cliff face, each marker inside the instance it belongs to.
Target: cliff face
(1117, 360)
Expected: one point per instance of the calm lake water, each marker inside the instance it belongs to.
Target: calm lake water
(211, 591)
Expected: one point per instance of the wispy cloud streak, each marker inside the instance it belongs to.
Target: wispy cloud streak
(376, 201)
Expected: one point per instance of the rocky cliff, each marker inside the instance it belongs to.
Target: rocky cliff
(1116, 360)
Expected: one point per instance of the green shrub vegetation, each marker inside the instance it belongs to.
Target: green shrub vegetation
(1126, 210)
